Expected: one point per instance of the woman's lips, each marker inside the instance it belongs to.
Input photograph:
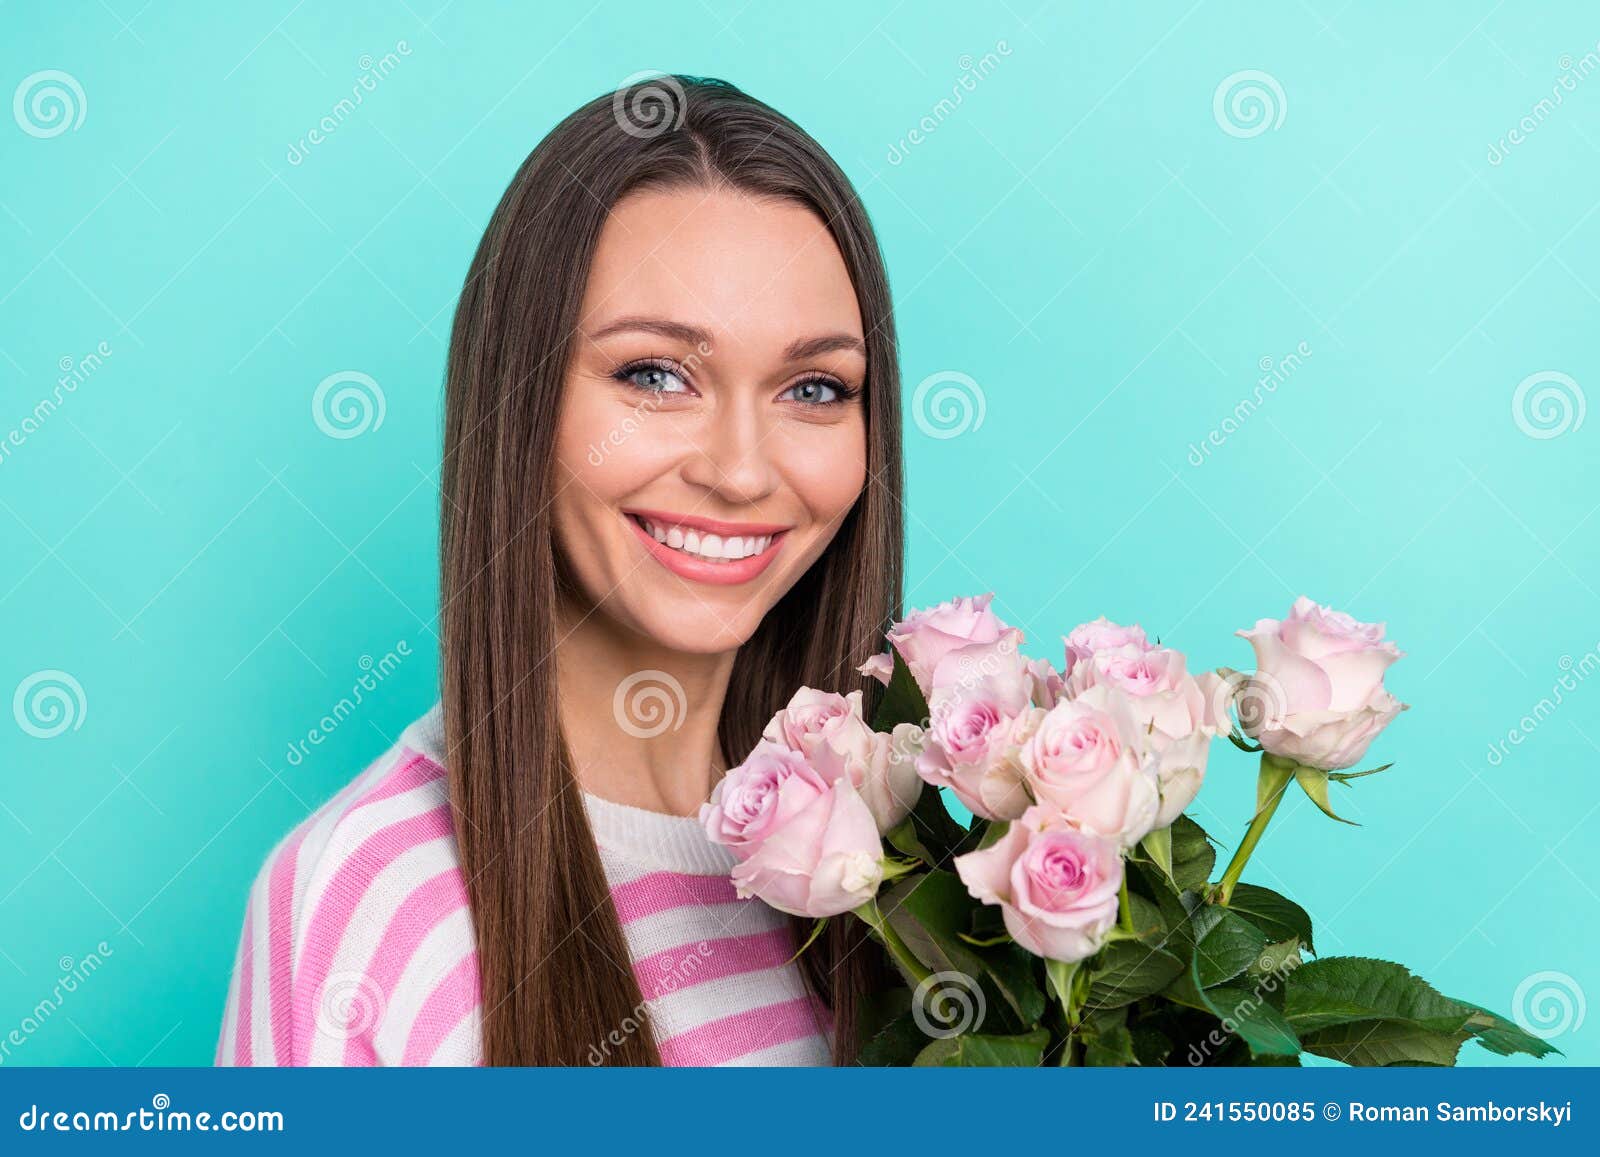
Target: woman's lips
(725, 572)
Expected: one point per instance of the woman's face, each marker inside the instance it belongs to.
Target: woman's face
(712, 433)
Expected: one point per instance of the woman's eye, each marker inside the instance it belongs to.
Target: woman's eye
(814, 392)
(655, 379)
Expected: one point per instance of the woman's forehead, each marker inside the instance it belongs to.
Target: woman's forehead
(750, 270)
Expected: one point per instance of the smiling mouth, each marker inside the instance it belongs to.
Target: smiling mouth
(705, 545)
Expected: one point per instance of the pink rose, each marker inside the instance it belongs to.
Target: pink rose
(1174, 715)
(957, 635)
(1080, 761)
(1056, 886)
(1089, 639)
(972, 744)
(836, 740)
(761, 794)
(811, 713)
(804, 846)
(1317, 696)
(1047, 686)
(879, 667)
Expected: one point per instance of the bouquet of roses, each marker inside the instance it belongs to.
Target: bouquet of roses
(1073, 919)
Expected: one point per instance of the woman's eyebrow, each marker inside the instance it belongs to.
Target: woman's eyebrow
(797, 350)
(811, 347)
(677, 330)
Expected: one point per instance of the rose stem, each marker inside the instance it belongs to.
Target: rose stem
(1274, 779)
(1124, 906)
(891, 939)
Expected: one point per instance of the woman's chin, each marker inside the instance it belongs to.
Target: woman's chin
(695, 628)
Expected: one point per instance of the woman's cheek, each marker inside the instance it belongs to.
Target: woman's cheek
(827, 467)
(613, 449)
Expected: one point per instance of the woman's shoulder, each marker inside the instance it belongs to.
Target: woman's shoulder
(360, 915)
(389, 826)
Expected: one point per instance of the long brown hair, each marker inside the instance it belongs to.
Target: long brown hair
(553, 962)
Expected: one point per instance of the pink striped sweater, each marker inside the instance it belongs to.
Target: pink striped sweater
(358, 946)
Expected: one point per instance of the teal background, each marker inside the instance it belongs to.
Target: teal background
(1080, 237)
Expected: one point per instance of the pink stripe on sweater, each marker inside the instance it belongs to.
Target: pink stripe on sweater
(345, 891)
(412, 772)
(280, 951)
(663, 891)
(718, 1041)
(280, 936)
(683, 967)
(455, 997)
(428, 905)
(241, 1030)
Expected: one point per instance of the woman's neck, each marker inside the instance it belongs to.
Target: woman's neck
(639, 720)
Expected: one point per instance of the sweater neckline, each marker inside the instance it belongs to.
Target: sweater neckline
(637, 835)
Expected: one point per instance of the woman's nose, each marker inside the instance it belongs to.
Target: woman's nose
(732, 455)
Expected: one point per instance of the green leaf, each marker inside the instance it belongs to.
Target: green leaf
(993, 832)
(1278, 959)
(1158, 846)
(1279, 917)
(1385, 1042)
(902, 700)
(1252, 1018)
(1128, 970)
(935, 830)
(1501, 1036)
(1247, 1013)
(1151, 1047)
(1107, 1041)
(896, 1044)
(816, 930)
(941, 910)
(1225, 945)
(1148, 923)
(1339, 990)
(1315, 784)
(980, 1049)
(1193, 857)
(903, 838)
(1347, 776)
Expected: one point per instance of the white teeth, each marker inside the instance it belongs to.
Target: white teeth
(709, 546)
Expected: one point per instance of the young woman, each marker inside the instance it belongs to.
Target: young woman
(671, 495)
